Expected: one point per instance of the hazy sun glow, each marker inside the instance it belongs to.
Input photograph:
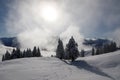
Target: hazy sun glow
(49, 13)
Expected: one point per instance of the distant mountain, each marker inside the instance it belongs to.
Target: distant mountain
(13, 42)
(10, 41)
(96, 42)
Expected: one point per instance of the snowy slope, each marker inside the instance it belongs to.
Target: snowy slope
(101, 67)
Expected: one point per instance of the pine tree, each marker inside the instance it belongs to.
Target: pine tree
(7, 56)
(3, 57)
(13, 54)
(24, 53)
(18, 53)
(72, 49)
(38, 53)
(34, 52)
(93, 51)
(106, 48)
(28, 53)
(114, 46)
(60, 50)
(82, 53)
(97, 51)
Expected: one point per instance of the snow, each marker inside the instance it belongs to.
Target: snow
(3, 49)
(47, 53)
(101, 67)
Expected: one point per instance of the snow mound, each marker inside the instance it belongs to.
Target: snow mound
(101, 67)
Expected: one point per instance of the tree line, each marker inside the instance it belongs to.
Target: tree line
(106, 48)
(17, 53)
(71, 50)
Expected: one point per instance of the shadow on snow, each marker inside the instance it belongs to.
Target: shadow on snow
(81, 64)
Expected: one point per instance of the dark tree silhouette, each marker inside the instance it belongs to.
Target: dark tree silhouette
(7, 56)
(72, 49)
(3, 57)
(38, 53)
(97, 51)
(34, 51)
(60, 50)
(17, 53)
(82, 53)
(93, 51)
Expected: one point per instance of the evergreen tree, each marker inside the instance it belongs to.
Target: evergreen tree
(106, 48)
(97, 51)
(82, 53)
(93, 51)
(7, 56)
(109, 47)
(13, 54)
(38, 52)
(28, 53)
(72, 49)
(60, 50)
(3, 57)
(18, 53)
(34, 52)
(24, 53)
(114, 46)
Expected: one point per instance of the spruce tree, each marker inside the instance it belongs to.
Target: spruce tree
(34, 52)
(18, 53)
(93, 51)
(28, 53)
(38, 52)
(82, 53)
(72, 49)
(97, 51)
(60, 50)
(7, 56)
(13, 54)
(24, 53)
(3, 57)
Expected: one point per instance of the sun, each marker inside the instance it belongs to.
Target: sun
(49, 13)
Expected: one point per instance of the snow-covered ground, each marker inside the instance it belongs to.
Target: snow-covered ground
(101, 67)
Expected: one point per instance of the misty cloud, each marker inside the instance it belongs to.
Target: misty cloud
(78, 18)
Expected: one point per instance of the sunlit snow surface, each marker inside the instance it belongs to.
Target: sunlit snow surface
(101, 67)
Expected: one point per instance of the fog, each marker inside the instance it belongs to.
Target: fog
(77, 18)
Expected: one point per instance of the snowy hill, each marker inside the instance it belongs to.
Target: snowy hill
(101, 67)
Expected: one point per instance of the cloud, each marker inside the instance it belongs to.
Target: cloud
(25, 21)
(115, 35)
(72, 31)
(78, 18)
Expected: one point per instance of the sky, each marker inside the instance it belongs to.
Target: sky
(46, 19)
